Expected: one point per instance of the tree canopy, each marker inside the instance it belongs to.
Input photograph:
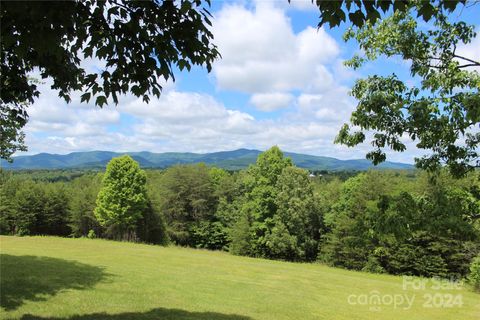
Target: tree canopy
(139, 43)
(122, 198)
(361, 12)
(439, 112)
(397, 222)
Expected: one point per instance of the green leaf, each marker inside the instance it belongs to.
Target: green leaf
(357, 18)
(101, 100)
(85, 97)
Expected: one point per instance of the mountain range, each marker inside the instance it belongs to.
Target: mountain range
(231, 160)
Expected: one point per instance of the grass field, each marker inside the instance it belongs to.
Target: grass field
(57, 278)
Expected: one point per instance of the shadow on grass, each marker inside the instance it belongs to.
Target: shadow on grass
(33, 278)
(154, 314)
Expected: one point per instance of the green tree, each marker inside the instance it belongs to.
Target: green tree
(152, 227)
(439, 113)
(191, 196)
(29, 208)
(260, 199)
(139, 42)
(188, 199)
(349, 243)
(12, 138)
(7, 214)
(241, 237)
(280, 243)
(361, 12)
(258, 203)
(83, 195)
(298, 211)
(384, 223)
(228, 189)
(54, 218)
(122, 198)
(474, 276)
(8, 187)
(276, 213)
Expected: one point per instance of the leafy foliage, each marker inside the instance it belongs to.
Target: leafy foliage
(30, 208)
(361, 12)
(190, 195)
(412, 223)
(278, 214)
(12, 139)
(122, 198)
(139, 43)
(440, 113)
(421, 229)
(83, 195)
(474, 276)
(298, 210)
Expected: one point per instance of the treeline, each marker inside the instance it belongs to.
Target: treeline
(377, 221)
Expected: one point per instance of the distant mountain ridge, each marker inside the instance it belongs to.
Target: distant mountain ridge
(231, 160)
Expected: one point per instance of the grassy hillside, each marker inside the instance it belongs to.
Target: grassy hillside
(57, 278)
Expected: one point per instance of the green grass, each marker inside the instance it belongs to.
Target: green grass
(57, 278)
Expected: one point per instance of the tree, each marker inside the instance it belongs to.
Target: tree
(474, 276)
(350, 241)
(122, 198)
(441, 112)
(54, 218)
(83, 195)
(12, 139)
(260, 199)
(152, 227)
(29, 208)
(258, 204)
(187, 200)
(383, 223)
(361, 12)
(298, 211)
(138, 41)
(241, 237)
(8, 188)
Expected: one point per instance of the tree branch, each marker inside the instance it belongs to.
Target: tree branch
(467, 59)
(470, 65)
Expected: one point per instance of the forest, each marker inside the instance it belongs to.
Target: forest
(397, 222)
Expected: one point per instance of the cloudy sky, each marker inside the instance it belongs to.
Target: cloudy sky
(280, 81)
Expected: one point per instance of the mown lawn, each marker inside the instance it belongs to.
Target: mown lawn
(57, 278)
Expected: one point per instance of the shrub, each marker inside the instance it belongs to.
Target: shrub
(474, 276)
(210, 235)
(373, 266)
(91, 234)
(241, 237)
(281, 244)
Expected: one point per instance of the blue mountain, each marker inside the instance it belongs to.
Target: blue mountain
(231, 160)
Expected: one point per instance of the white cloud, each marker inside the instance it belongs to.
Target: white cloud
(333, 107)
(261, 53)
(51, 113)
(303, 5)
(271, 101)
(189, 116)
(262, 56)
(193, 122)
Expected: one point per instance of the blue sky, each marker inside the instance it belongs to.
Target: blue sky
(281, 82)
